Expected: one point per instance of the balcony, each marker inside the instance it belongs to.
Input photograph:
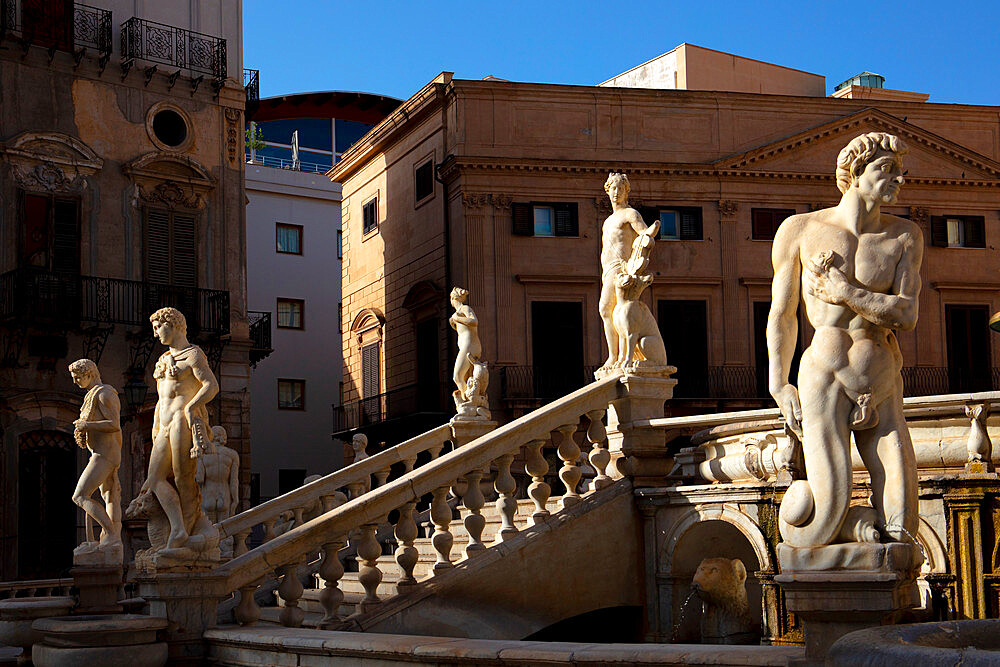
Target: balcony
(531, 383)
(153, 42)
(71, 27)
(260, 336)
(42, 298)
(382, 409)
(251, 84)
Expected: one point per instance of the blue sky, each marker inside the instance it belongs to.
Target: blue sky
(949, 49)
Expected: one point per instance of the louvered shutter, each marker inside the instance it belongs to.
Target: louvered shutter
(524, 221)
(157, 246)
(184, 270)
(691, 224)
(370, 384)
(975, 232)
(65, 237)
(939, 231)
(566, 220)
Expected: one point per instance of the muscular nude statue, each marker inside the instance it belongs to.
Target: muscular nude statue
(99, 431)
(218, 476)
(184, 384)
(857, 272)
(620, 231)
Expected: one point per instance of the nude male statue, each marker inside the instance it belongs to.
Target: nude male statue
(218, 475)
(98, 430)
(185, 384)
(620, 231)
(857, 271)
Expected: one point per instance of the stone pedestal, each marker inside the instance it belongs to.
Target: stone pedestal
(122, 639)
(638, 450)
(841, 588)
(465, 431)
(100, 588)
(189, 602)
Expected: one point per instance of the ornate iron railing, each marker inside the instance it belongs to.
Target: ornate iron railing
(260, 335)
(394, 404)
(936, 380)
(534, 383)
(35, 296)
(169, 45)
(66, 27)
(251, 83)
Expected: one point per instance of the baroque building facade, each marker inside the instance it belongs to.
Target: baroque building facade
(121, 191)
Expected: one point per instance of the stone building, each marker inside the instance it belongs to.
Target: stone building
(496, 186)
(293, 278)
(121, 191)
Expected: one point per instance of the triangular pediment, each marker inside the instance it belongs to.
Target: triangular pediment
(814, 151)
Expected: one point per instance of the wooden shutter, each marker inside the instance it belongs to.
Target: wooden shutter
(566, 220)
(157, 246)
(524, 220)
(691, 224)
(370, 383)
(65, 236)
(184, 269)
(975, 232)
(760, 222)
(939, 231)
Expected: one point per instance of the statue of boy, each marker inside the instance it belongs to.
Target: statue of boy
(219, 478)
(184, 385)
(857, 273)
(98, 430)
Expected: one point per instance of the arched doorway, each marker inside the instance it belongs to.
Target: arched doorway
(46, 515)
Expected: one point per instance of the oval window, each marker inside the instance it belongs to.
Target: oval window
(170, 128)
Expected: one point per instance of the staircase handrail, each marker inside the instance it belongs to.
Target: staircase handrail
(374, 506)
(357, 472)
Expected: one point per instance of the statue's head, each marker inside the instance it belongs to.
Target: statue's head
(84, 373)
(459, 296)
(168, 322)
(617, 187)
(359, 442)
(219, 435)
(872, 163)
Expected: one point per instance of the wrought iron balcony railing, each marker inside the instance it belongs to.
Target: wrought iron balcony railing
(251, 83)
(260, 335)
(541, 384)
(394, 404)
(177, 47)
(72, 27)
(45, 298)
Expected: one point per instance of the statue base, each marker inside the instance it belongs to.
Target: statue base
(189, 602)
(100, 588)
(840, 588)
(464, 430)
(638, 369)
(180, 559)
(90, 554)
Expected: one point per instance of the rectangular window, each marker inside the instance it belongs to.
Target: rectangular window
(371, 383)
(50, 233)
(170, 248)
(291, 313)
(546, 219)
(670, 225)
(765, 221)
(291, 394)
(340, 317)
(424, 181)
(369, 215)
(677, 223)
(340, 244)
(288, 238)
(958, 231)
(968, 341)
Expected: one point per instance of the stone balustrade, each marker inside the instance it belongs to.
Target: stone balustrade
(356, 515)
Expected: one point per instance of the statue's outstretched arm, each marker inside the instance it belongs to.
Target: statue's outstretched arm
(782, 325)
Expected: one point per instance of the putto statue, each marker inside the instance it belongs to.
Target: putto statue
(184, 384)
(857, 272)
(631, 331)
(99, 431)
(471, 375)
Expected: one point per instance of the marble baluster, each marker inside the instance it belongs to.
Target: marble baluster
(381, 476)
(442, 539)
(269, 532)
(406, 533)
(330, 571)
(506, 503)
(297, 513)
(240, 543)
(247, 612)
(475, 522)
(290, 591)
(569, 452)
(369, 574)
(599, 457)
(538, 490)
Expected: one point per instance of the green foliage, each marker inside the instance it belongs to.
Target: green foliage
(254, 137)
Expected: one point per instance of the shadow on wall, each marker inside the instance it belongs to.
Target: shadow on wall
(709, 539)
(612, 625)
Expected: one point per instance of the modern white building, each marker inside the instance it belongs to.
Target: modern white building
(294, 278)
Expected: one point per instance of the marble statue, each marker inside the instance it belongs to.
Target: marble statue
(184, 384)
(359, 443)
(624, 231)
(98, 430)
(720, 583)
(218, 477)
(471, 375)
(856, 271)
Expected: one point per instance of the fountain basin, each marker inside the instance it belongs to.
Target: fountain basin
(968, 643)
(108, 640)
(17, 615)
